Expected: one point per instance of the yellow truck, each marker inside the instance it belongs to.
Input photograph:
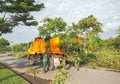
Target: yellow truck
(51, 47)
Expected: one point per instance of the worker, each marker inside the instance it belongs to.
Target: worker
(45, 61)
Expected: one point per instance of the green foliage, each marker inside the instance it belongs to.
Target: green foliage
(94, 43)
(22, 6)
(75, 57)
(112, 43)
(74, 51)
(19, 47)
(108, 59)
(89, 26)
(105, 59)
(1, 20)
(91, 60)
(61, 77)
(90, 22)
(4, 43)
(52, 26)
(19, 13)
(117, 43)
(74, 30)
(5, 26)
(5, 50)
(6, 76)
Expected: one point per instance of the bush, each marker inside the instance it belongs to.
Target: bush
(61, 76)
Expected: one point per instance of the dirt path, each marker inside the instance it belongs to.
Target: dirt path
(84, 76)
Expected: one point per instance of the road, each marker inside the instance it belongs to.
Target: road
(83, 76)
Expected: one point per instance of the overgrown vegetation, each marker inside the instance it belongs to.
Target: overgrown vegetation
(61, 76)
(107, 59)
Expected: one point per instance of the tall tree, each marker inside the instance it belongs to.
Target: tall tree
(52, 26)
(89, 26)
(17, 12)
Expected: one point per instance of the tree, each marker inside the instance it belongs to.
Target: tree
(17, 47)
(52, 26)
(17, 12)
(74, 30)
(89, 26)
(4, 43)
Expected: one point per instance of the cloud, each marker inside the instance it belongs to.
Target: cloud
(72, 11)
(106, 11)
(111, 26)
(110, 29)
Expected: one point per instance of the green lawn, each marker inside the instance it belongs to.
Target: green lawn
(8, 77)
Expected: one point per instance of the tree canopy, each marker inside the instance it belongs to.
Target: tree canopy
(52, 26)
(17, 12)
(87, 28)
(90, 24)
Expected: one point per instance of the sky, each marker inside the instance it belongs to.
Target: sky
(106, 11)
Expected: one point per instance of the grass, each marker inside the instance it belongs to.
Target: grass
(106, 59)
(19, 54)
(8, 77)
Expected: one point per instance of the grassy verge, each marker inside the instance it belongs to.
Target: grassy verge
(19, 54)
(8, 77)
(106, 59)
